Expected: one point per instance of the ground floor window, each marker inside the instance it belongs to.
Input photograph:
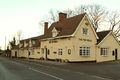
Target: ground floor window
(69, 51)
(60, 51)
(38, 52)
(84, 51)
(104, 51)
(42, 50)
(32, 52)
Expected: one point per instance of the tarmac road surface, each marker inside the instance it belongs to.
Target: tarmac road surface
(15, 69)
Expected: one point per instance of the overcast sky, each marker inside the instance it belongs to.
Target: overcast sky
(25, 15)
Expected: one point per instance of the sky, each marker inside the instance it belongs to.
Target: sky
(24, 15)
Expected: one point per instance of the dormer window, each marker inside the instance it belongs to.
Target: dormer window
(33, 42)
(30, 43)
(20, 45)
(54, 32)
(25, 44)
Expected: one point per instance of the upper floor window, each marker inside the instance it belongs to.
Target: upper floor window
(85, 31)
(104, 51)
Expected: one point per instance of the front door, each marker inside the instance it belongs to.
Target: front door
(15, 53)
(46, 52)
(116, 54)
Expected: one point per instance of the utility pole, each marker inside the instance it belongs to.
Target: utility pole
(5, 43)
(5, 47)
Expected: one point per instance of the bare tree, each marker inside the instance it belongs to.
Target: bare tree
(80, 9)
(114, 21)
(50, 18)
(69, 12)
(97, 13)
(53, 15)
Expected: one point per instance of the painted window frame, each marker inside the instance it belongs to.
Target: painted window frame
(60, 51)
(38, 52)
(33, 52)
(84, 51)
(104, 51)
(42, 50)
(33, 42)
(85, 31)
(69, 51)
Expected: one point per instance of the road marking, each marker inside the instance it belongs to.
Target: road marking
(101, 77)
(39, 71)
(46, 74)
(94, 76)
(66, 70)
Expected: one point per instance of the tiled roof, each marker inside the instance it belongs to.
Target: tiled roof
(66, 26)
(36, 39)
(102, 35)
(15, 47)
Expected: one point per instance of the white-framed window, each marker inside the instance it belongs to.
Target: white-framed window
(104, 51)
(85, 31)
(42, 50)
(32, 52)
(60, 51)
(84, 51)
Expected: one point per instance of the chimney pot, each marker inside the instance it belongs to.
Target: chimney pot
(62, 16)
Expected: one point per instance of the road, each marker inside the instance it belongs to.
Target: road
(16, 69)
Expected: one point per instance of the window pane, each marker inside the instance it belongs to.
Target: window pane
(104, 51)
(85, 30)
(85, 51)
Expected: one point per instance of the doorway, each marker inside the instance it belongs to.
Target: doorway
(46, 52)
(116, 54)
(15, 54)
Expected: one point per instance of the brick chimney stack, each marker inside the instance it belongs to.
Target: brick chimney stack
(62, 16)
(45, 27)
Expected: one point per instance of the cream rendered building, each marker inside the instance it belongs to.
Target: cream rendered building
(108, 47)
(74, 39)
(27, 48)
(70, 39)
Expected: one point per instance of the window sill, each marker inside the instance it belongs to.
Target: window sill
(104, 55)
(85, 55)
